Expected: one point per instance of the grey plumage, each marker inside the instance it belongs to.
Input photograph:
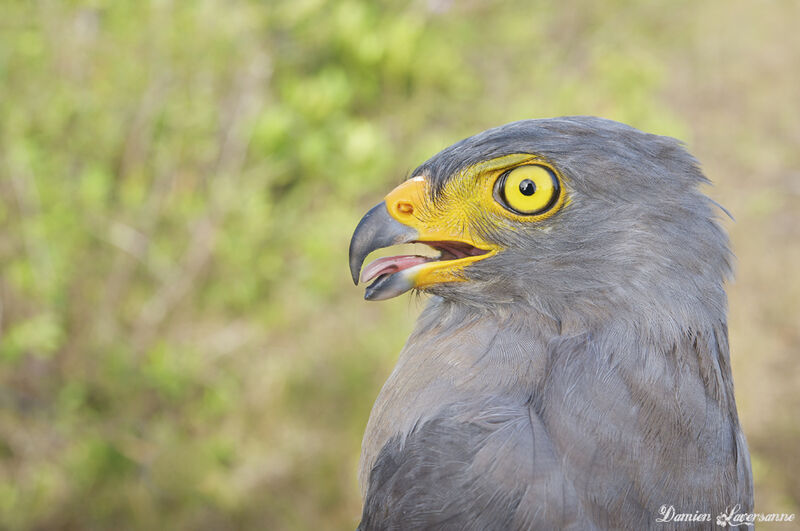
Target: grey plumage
(580, 378)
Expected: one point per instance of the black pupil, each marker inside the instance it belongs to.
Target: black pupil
(527, 187)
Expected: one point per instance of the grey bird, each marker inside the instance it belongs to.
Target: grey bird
(571, 369)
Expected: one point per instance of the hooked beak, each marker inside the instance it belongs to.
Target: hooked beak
(397, 220)
(377, 230)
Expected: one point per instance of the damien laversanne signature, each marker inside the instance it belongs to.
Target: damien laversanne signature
(731, 517)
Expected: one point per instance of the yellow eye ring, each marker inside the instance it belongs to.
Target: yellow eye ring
(527, 190)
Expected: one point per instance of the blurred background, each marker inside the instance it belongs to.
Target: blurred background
(180, 343)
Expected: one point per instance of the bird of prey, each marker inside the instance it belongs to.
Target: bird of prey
(571, 369)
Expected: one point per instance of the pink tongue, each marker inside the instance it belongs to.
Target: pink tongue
(390, 264)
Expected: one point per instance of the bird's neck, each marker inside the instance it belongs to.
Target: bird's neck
(462, 356)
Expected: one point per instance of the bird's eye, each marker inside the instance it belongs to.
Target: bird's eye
(527, 190)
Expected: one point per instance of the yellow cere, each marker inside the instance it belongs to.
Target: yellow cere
(468, 201)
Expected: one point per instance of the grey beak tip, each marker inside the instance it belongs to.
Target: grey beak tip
(355, 265)
(377, 229)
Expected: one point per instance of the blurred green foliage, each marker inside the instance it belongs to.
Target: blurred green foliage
(179, 345)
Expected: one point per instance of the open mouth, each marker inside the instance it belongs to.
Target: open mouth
(443, 251)
(435, 256)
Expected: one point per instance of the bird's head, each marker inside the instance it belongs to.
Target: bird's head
(562, 213)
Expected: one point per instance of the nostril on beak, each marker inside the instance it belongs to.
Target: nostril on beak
(405, 208)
